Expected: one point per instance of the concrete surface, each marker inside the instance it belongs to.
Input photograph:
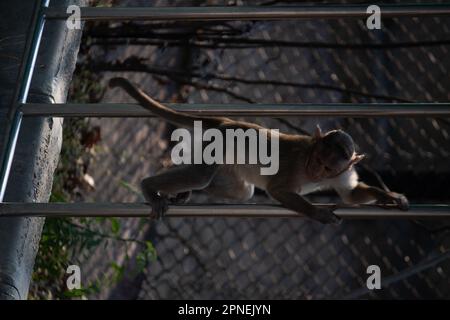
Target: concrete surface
(39, 143)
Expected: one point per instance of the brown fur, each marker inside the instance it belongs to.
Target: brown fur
(306, 164)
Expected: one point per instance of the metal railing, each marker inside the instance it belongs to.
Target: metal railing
(20, 108)
(249, 13)
(304, 109)
(23, 82)
(215, 210)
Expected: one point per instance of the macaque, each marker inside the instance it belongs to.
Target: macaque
(306, 164)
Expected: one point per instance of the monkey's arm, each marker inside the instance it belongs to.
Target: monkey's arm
(353, 191)
(363, 193)
(297, 203)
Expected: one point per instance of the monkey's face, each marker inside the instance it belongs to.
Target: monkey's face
(332, 154)
(326, 162)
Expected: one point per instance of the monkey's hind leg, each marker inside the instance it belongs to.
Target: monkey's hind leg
(178, 181)
(181, 198)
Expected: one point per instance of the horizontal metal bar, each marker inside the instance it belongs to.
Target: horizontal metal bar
(218, 210)
(306, 109)
(248, 13)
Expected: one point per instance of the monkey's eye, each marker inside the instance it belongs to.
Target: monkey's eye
(327, 168)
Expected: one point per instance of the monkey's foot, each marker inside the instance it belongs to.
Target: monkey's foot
(181, 198)
(159, 205)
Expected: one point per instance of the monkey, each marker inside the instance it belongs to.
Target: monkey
(307, 163)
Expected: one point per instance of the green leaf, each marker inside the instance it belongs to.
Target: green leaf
(115, 226)
(151, 250)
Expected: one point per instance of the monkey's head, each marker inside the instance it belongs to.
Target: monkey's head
(332, 154)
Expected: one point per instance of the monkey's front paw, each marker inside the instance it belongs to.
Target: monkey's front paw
(400, 200)
(326, 216)
(159, 206)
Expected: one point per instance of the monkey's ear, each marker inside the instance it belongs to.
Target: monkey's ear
(318, 132)
(357, 158)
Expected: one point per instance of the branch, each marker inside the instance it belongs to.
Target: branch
(164, 30)
(191, 39)
(135, 65)
(209, 87)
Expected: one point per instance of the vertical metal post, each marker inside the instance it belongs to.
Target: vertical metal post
(23, 82)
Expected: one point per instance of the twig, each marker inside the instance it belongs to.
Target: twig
(294, 127)
(133, 64)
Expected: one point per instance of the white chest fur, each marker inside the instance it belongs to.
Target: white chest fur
(345, 181)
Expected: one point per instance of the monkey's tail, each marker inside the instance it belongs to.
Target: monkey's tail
(159, 109)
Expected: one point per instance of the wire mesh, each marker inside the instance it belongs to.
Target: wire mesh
(312, 62)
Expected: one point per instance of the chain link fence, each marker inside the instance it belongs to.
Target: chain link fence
(323, 61)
